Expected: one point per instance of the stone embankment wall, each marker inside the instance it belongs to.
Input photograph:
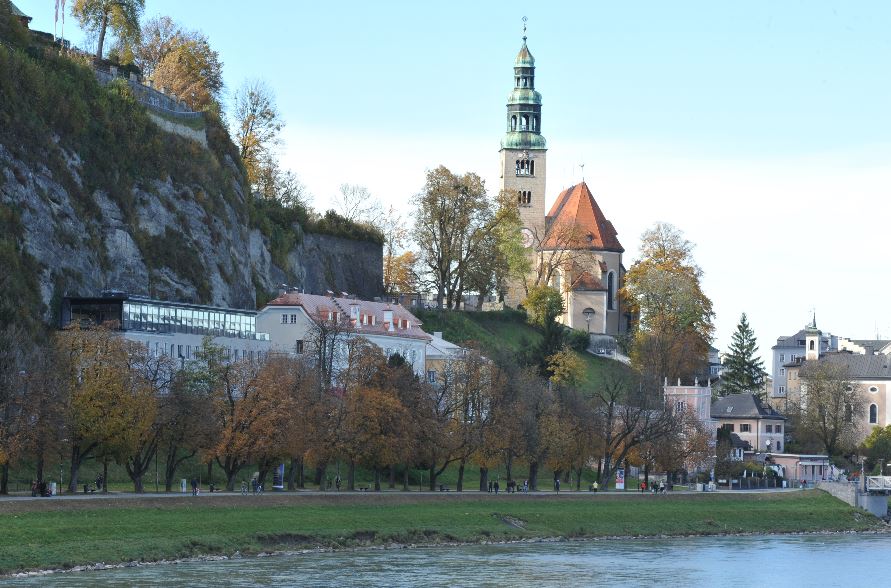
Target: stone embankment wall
(847, 492)
(182, 130)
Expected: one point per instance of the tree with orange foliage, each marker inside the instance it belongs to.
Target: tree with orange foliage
(252, 413)
(672, 327)
(111, 406)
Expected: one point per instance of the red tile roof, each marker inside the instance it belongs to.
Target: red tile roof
(586, 281)
(318, 307)
(576, 207)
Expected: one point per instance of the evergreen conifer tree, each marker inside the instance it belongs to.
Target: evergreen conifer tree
(743, 369)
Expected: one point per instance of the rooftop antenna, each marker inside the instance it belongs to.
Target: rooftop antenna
(582, 165)
(524, 29)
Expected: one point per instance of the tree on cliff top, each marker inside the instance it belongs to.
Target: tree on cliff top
(181, 61)
(743, 369)
(121, 16)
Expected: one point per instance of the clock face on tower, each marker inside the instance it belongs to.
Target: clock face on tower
(527, 236)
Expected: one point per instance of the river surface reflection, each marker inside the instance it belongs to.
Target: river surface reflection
(797, 560)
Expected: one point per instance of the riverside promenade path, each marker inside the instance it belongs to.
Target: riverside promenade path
(27, 503)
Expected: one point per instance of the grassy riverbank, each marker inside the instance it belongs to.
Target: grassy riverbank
(54, 534)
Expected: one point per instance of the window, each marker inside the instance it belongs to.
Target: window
(768, 429)
(778, 429)
(524, 197)
(611, 291)
(873, 389)
(298, 346)
(782, 357)
(293, 319)
(779, 446)
(812, 345)
(728, 427)
(680, 406)
(745, 428)
(782, 371)
(873, 414)
(849, 413)
(782, 390)
(431, 376)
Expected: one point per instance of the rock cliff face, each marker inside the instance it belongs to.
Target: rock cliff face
(175, 240)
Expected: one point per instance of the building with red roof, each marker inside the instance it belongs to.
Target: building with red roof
(574, 248)
(294, 321)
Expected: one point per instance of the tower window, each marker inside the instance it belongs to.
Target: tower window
(611, 291)
(525, 167)
(534, 122)
(524, 197)
(513, 123)
(873, 414)
(524, 123)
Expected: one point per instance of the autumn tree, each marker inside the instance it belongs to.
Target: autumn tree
(14, 356)
(191, 70)
(453, 224)
(672, 328)
(153, 373)
(110, 405)
(743, 368)
(251, 413)
(831, 406)
(256, 126)
(186, 421)
(119, 16)
(628, 414)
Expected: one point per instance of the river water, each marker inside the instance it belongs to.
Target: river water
(790, 560)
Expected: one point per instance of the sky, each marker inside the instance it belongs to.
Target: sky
(761, 129)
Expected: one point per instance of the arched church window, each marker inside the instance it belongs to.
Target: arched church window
(873, 414)
(513, 123)
(524, 123)
(518, 82)
(524, 82)
(611, 290)
(534, 123)
(519, 167)
(812, 344)
(531, 168)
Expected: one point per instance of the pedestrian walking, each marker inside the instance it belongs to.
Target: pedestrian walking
(662, 487)
(557, 485)
(525, 486)
(496, 486)
(490, 487)
(337, 482)
(194, 487)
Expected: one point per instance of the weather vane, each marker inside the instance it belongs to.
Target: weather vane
(582, 165)
(524, 28)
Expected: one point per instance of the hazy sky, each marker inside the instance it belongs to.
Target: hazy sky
(762, 129)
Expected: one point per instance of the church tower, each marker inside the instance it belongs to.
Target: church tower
(523, 149)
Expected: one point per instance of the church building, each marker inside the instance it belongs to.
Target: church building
(573, 248)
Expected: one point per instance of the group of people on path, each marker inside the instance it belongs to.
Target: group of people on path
(655, 488)
(512, 487)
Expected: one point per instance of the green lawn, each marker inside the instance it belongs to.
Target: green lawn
(76, 532)
(506, 330)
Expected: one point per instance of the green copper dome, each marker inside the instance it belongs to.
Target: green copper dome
(523, 140)
(524, 57)
(524, 96)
